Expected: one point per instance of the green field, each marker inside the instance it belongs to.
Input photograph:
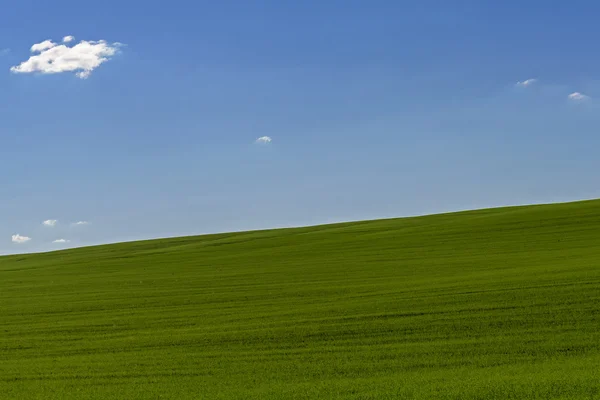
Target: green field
(492, 304)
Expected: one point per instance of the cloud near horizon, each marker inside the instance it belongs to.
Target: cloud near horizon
(53, 58)
(79, 223)
(18, 239)
(264, 140)
(61, 241)
(527, 82)
(576, 96)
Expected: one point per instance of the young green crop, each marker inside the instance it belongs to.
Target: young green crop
(501, 303)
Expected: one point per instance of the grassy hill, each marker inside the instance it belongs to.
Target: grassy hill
(501, 303)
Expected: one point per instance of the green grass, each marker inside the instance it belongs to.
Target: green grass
(491, 304)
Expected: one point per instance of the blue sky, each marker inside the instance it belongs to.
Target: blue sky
(375, 109)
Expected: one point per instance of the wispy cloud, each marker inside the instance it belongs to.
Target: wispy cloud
(4, 52)
(263, 140)
(18, 239)
(61, 241)
(80, 223)
(50, 222)
(53, 58)
(576, 96)
(527, 82)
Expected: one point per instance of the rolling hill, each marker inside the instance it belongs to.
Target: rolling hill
(497, 303)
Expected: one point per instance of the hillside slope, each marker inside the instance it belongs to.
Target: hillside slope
(499, 303)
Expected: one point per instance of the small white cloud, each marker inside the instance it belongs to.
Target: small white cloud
(576, 96)
(79, 223)
(50, 222)
(82, 58)
(61, 241)
(527, 82)
(20, 239)
(264, 140)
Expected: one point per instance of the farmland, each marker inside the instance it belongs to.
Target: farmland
(486, 304)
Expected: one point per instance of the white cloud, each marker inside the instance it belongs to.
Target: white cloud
(79, 223)
(20, 239)
(527, 82)
(576, 96)
(61, 241)
(81, 58)
(50, 222)
(40, 47)
(264, 140)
